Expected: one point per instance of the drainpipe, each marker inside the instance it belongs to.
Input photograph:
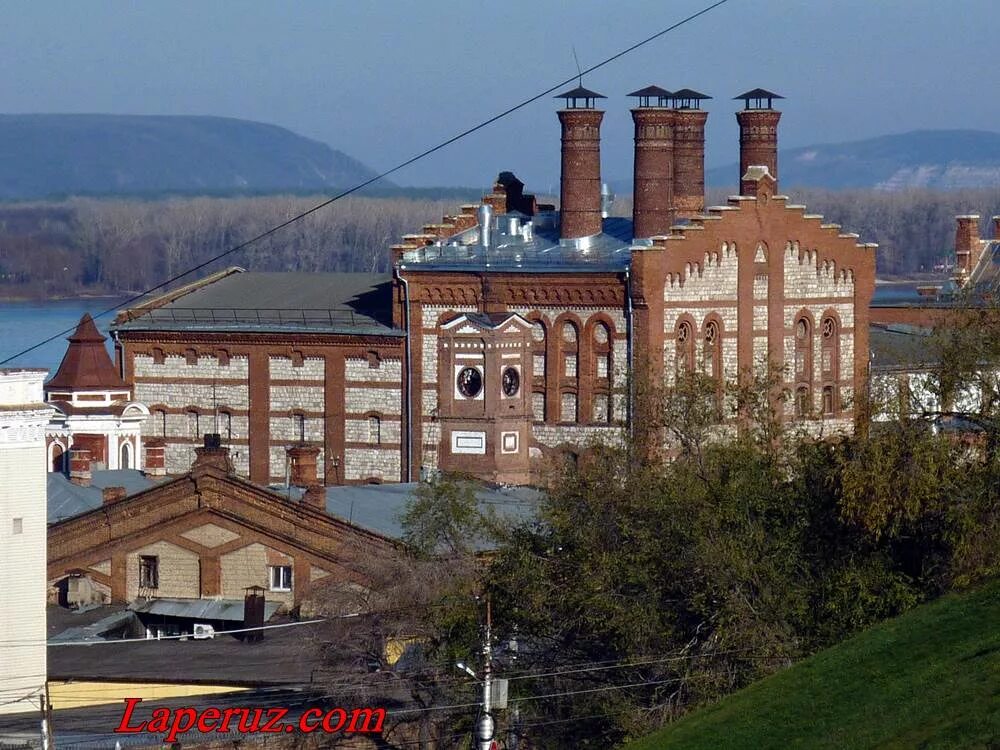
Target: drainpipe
(628, 347)
(409, 375)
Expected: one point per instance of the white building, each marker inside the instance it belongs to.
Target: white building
(94, 411)
(23, 417)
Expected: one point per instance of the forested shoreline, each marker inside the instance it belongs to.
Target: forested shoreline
(89, 246)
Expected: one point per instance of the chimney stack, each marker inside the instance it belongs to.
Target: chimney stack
(213, 454)
(689, 153)
(79, 466)
(113, 495)
(302, 460)
(155, 463)
(758, 135)
(315, 497)
(967, 246)
(653, 171)
(580, 185)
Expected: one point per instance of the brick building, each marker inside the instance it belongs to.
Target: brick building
(95, 417)
(205, 534)
(507, 332)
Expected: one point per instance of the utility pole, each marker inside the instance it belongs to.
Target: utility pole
(486, 727)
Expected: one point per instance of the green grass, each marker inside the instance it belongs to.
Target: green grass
(927, 679)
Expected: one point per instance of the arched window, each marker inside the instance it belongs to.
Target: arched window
(803, 366)
(684, 358)
(567, 407)
(299, 427)
(125, 461)
(803, 405)
(602, 352)
(570, 342)
(712, 350)
(830, 363)
(538, 370)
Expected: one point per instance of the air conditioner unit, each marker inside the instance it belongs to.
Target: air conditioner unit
(203, 631)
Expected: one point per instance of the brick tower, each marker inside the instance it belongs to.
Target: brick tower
(689, 152)
(758, 133)
(580, 186)
(653, 174)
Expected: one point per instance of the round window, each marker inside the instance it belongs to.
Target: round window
(511, 381)
(470, 382)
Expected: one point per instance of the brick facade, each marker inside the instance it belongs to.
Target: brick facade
(211, 534)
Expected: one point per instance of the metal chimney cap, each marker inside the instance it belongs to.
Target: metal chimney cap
(574, 95)
(758, 96)
(652, 92)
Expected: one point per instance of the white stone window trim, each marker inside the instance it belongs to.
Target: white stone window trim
(279, 577)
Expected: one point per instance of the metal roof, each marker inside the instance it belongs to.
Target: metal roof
(899, 346)
(351, 303)
(650, 92)
(380, 507)
(66, 500)
(543, 252)
(579, 93)
(758, 94)
(230, 610)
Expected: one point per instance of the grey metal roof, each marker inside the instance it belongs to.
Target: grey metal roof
(65, 499)
(542, 253)
(380, 507)
(201, 609)
(351, 303)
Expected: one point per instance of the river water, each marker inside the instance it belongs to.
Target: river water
(24, 324)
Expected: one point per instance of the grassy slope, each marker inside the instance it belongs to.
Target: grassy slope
(928, 679)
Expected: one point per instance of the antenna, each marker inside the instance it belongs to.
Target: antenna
(579, 70)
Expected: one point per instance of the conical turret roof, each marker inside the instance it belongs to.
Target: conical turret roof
(86, 364)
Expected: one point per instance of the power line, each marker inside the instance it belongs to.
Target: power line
(393, 170)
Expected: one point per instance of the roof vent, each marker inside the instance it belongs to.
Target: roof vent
(485, 214)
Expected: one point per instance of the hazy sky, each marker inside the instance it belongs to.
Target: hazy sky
(385, 79)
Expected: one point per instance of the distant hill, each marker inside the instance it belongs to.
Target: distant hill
(927, 679)
(43, 156)
(942, 159)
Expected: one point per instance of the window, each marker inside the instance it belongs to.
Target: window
(281, 577)
(299, 427)
(602, 351)
(18, 526)
(713, 350)
(160, 423)
(602, 408)
(194, 424)
(567, 411)
(803, 349)
(803, 405)
(828, 399)
(374, 430)
(470, 382)
(685, 348)
(149, 571)
(226, 424)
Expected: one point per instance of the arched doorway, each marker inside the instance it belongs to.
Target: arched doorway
(125, 459)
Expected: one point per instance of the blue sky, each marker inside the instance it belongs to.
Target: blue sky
(383, 80)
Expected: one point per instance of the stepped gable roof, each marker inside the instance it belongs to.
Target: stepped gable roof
(86, 364)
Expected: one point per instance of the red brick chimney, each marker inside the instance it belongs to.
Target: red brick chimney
(155, 463)
(580, 185)
(79, 466)
(758, 135)
(315, 496)
(689, 153)
(653, 174)
(113, 494)
(213, 454)
(967, 245)
(302, 460)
